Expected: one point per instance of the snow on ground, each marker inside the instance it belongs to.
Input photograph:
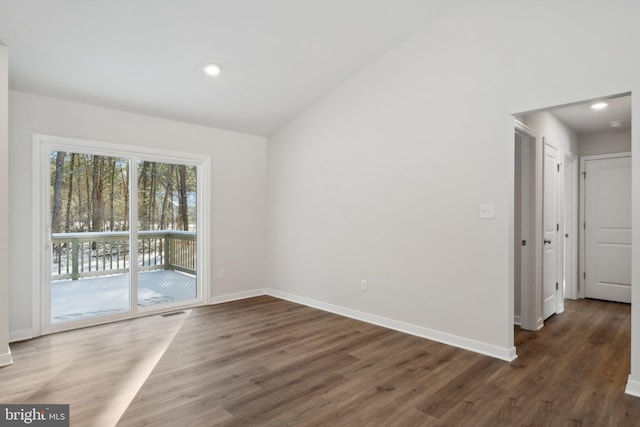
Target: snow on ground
(96, 296)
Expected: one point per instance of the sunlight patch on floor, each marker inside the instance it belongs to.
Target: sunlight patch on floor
(135, 379)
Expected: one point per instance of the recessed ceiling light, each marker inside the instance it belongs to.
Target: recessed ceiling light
(599, 105)
(615, 124)
(212, 69)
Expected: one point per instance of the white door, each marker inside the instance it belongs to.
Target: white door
(551, 228)
(608, 229)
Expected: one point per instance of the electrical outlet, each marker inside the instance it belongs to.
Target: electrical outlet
(222, 273)
(363, 285)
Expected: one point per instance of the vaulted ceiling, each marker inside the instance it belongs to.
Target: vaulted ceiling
(146, 56)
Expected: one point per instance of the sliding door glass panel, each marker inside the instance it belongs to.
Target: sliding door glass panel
(89, 199)
(167, 200)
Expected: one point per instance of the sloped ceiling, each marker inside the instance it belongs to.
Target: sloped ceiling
(146, 56)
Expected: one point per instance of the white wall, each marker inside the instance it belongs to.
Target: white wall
(381, 180)
(5, 354)
(237, 190)
(554, 131)
(607, 142)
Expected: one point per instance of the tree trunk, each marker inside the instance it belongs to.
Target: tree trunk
(182, 201)
(125, 185)
(97, 217)
(57, 192)
(88, 208)
(67, 219)
(168, 190)
(143, 198)
(152, 195)
(113, 184)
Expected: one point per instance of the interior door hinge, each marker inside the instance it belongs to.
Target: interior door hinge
(584, 275)
(558, 166)
(584, 175)
(524, 243)
(584, 225)
(557, 227)
(556, 286)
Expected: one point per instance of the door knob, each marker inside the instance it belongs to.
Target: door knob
(547, 241)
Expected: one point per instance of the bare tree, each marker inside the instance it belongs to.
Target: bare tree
(57, 192)
(111, 198)
(97, 217)
(168, 190)
(143, 196)
(152, 195)
(67, 219)
(125, 192)
(91, 193)
(182, 199)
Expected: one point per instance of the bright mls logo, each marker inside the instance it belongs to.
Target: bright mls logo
(34, 415)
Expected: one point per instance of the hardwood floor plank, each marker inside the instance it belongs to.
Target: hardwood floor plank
(268, 362)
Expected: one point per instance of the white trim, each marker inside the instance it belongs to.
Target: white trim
(133, 234)
(633, 387)
(41, 314)
(204, 187)
(20, 335)
(571, 191)
(5, 358)
(604, 156)
(237, 296)
(38, 239)
(560, 200)
(517, 320)
(507, 354)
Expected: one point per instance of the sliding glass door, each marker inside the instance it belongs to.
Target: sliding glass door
(90, 251)
(167, 202)
(122, 235)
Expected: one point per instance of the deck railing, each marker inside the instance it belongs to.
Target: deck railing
(79, 255)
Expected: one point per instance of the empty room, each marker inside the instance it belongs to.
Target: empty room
(353, 213)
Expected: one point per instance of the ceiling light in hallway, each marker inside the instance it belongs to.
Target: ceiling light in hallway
(212, 69)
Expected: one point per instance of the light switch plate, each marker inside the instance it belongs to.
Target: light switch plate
(487, 211)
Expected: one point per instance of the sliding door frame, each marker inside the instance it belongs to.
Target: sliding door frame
(43, 145)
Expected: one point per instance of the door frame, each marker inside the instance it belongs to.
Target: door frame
(41, 276)
(582, 246)
(570, 218)
(531, 221)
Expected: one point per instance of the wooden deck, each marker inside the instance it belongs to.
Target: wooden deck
(95, 296)
(268, 362)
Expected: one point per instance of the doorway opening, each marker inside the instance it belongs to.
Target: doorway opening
(572, 226)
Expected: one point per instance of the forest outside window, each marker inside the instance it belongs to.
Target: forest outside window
(123, 232)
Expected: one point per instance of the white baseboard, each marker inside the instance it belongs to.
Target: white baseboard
(5, 358)
(633, 387)
(517, 320)
(237, 296)
(20, 335)
(508, 354)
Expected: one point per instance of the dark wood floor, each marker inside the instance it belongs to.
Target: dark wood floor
(269, 362)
